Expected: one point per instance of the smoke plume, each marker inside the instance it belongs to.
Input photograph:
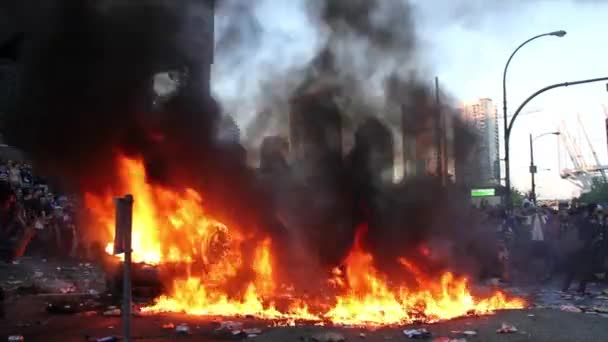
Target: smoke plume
(86, 94)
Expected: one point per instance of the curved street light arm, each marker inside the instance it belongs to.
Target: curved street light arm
(558, 85)
(504, 73)
(544, 135)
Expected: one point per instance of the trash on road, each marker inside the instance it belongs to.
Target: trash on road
(417, 333)
(15, 338)
(230, 325)
(469, 332)
(168, 326)
(507, 328)
(570, 308)
(112, 312)
(362, 335)
(328, 337)
(449, 339)
(182, 329)
(601, 309)
(107, 339)
(252, 331)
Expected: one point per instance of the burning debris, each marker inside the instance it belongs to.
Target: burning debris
(326, 238)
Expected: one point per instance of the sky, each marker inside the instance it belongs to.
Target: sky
(465, 43)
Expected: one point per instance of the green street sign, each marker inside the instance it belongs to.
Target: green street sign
(488, 192)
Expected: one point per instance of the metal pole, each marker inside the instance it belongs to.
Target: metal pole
(509, 127)
(504, 111)
(532, 172)
(126, 205)
(438, 132)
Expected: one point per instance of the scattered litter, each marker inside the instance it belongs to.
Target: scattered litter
(570, 308)
(507, 328)
(362, 335)
(182, 329)
(38, 274)
(61, 308)
(469, 332)
(168, 326)
(448, 339)
(252, 331)
(93, 292)
(108, 339)
(531, 315)
(15, 338)
(601, 309)
(112, 312)
(328, 337)
(230, 325)
(417, 333)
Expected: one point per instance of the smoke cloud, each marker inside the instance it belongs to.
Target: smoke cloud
(86, 94)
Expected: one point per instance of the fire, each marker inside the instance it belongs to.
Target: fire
(224, 277)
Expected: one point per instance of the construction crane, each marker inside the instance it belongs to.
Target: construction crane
(595, 157)
(582, 173)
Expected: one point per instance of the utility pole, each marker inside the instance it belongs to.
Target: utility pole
(438, 133)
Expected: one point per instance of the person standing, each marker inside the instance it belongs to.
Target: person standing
(581, 261)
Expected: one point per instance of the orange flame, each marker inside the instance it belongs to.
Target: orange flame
(172, 227)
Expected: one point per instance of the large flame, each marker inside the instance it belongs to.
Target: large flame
(222, 279)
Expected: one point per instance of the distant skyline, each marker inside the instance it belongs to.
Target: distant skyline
(466, 44)
(468, 53)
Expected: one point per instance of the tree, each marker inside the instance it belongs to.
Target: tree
(598, 193)
(517, 198)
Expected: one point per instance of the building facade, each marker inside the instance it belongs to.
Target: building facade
(484, 164)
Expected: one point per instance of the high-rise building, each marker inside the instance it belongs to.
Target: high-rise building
(315, 127)
(482, 117)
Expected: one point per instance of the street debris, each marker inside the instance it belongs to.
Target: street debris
(328, 337)
(107, 339)
(114, 312)
(252, 331)
(182, 329)
(417, 333)
(15, 338)
(469, 332)
(362, 335)
(600, 309)
(168, 326)
(570, 308)
(449, 339)
(61, 308)
(89, 313)
(230, 325)
(507, 328)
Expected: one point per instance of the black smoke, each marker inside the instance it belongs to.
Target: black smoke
(86, 93)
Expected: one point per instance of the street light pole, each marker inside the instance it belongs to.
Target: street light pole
(533, 168)
(532, 172)
(560, 33)
(510, 125)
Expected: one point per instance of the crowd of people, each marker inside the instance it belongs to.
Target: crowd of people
(32, 216)
(569, 241)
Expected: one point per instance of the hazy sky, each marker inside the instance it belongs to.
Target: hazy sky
(466, 44)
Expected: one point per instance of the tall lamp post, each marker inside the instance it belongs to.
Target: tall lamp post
(533, 168)
(519, 109)
(560, 33)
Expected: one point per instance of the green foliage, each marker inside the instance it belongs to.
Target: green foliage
(598, 193)
(517, 198)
